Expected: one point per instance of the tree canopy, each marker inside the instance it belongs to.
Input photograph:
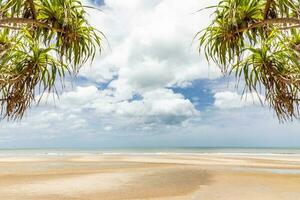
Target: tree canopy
(40, 41)
(258, 41)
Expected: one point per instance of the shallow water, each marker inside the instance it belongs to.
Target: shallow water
(151, 151)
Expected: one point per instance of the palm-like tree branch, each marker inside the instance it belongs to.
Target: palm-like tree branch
(40, 42)
(32, 7)
(259, 41)
(267, 8)
(26, 21)
(284, 22)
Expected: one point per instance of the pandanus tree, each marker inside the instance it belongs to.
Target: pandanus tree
(40, 41)
(258, 41)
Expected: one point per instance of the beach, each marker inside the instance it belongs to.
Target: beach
(165, 176)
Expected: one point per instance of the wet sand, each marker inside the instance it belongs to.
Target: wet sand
(154, 177)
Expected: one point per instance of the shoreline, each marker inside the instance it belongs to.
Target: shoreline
(149, 177)
(216, 151)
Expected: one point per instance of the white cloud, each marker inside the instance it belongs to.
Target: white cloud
(150, 53)
(88, 110)
(230, 100)
(159, 106)
(151, 44)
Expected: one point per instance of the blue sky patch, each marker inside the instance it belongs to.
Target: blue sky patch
(98, 2)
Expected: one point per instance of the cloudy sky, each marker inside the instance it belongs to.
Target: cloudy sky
(150, 87)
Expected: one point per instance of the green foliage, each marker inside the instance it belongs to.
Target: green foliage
(40, 41)
(259, 41)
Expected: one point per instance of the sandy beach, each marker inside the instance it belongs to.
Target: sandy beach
(154, 177)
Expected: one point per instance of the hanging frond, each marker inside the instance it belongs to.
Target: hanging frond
(40, 41)
(259, 41)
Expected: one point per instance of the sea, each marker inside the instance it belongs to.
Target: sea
(151, 151)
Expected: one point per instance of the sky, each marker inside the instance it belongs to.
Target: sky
(150, 87)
